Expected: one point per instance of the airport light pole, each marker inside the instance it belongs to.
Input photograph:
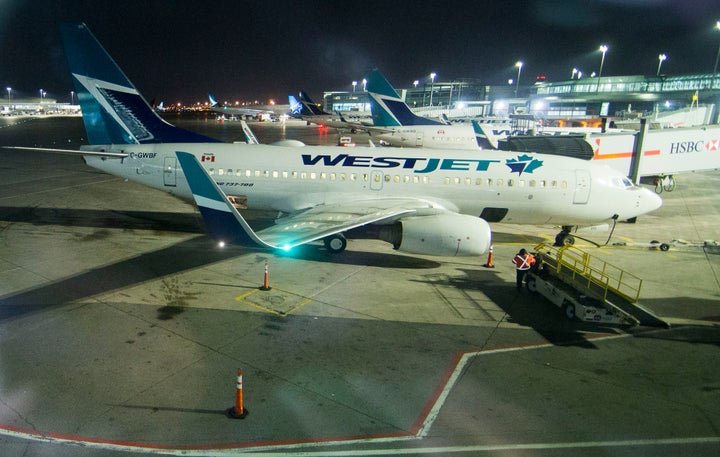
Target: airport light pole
(8, 91)
(354, 83)
(717, 26)
(432, 86)
(661, 59)
(574, 72)
(72, 96)
(364, 81)
(519, 66)
(603, 49)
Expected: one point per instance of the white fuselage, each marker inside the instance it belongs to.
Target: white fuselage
(548, 190)
(457, 136)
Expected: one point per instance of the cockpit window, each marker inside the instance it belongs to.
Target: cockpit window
(622, 183)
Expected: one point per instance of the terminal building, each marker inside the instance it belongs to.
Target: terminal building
(581, 100)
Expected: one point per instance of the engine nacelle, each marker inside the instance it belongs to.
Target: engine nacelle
(441, 235)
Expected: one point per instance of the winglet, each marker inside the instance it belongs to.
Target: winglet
(222, 220)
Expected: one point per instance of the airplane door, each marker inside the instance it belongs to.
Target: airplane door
(419, 139)
(169, 172)
(582, 187)
(376, 180)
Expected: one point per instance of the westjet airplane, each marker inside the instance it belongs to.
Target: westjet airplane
(396, 125)
(431, 202)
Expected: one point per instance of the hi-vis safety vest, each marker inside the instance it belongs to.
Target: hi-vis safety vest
(524, 263)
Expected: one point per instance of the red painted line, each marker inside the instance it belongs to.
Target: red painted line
(417, 425)
(624, 155)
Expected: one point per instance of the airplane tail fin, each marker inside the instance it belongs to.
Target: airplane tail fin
(213, 101)
(113, 110)
(484, 135)
(386, 106)
(311, 106)
(296, 108)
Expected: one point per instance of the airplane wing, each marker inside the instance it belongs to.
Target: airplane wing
(80, 152)
(324, 220)
(225, 223)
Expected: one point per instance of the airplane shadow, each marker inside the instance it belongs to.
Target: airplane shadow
(183, 256)
(192, 223)
(528, 309)
(112, 219)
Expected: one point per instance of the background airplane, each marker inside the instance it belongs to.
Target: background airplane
(261, 113)
(395, 124)
(304, 108)
(425, 201)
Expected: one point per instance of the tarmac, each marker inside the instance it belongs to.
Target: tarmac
(122, 328)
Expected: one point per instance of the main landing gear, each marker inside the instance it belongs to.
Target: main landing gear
(564, 238)
(335, 243)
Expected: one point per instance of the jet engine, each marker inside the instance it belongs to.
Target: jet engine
(441, 235)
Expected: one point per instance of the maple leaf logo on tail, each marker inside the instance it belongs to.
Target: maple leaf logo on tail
(523, 164)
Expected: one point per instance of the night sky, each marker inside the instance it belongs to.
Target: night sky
(256, 50)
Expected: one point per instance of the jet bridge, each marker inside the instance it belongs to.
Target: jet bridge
(589, 288)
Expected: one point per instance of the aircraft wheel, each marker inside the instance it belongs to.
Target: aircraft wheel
(664, 247)
(335, 243)
(669, 184)
(569, 309)
(531, 285)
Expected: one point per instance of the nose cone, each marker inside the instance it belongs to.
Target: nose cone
(648, 201)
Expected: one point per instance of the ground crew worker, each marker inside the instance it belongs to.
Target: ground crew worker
(523, 262)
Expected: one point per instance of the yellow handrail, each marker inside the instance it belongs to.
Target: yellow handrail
(594, 275)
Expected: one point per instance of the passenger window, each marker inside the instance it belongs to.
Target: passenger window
(478, 182)
(211, 171)
(511, 182)
(221, 172)
(563, 184)
(499, 182)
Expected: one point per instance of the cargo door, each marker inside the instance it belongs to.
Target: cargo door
(418, 139)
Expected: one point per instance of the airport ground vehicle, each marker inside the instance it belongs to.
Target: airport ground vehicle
(585, 287)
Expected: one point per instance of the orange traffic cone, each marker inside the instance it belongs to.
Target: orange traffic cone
(266, 280)
(237, 411)
(489, 263)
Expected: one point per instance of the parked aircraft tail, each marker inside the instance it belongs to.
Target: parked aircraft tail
(113, 110)
(386, 106)
(310, 105)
